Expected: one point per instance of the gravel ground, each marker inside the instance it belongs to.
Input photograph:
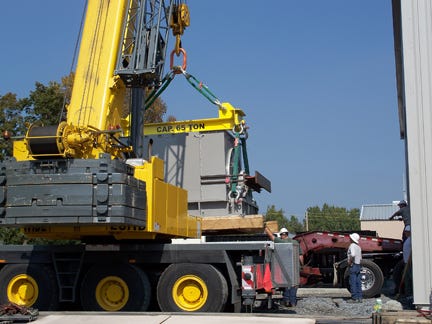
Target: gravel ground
(335, 310)
(340, 307)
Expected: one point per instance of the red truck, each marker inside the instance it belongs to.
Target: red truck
(325, 259)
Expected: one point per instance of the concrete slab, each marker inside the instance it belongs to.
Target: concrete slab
(114, 318)
(99, 319)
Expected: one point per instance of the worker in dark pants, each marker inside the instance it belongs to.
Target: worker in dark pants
(289, 294)
(354, 255)
(407, 274)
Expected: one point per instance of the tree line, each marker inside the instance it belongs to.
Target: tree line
(325, 218)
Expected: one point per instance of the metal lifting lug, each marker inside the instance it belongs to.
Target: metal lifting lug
(176, 69)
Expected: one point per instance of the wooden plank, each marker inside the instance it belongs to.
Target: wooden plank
(272, 226)
(398, 317)
(236, 223)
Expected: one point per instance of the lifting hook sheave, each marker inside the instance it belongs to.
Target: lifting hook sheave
(180, 19)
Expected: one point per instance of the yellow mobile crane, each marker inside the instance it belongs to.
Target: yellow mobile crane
(86, 179)
(123, 46)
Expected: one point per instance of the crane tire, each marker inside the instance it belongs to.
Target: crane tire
(372, 278)
(187, 287)
(121, 287)
(29, 285)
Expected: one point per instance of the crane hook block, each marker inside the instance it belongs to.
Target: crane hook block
(180, 19)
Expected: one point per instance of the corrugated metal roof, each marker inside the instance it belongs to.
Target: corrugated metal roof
(377, 211)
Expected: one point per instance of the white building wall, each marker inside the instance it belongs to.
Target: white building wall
(416, 20)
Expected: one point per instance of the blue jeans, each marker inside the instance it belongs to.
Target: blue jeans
(290, 295)
(355, 282)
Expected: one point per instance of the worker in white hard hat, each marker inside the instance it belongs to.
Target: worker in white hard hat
(354, 256)
(289, 294)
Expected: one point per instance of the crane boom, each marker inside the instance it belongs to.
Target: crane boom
(123, 46)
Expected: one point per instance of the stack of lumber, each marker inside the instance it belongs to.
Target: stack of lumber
(233, 224)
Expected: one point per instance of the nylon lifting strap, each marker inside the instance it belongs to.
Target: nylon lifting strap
(239, 131)
(235, 169)
(194, 82)
(240, 136)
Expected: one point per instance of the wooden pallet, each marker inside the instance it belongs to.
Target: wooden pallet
(233, 224)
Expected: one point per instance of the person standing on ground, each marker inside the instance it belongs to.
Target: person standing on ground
(407, 278)
(403, 214)
(354, 255)
(289, 294)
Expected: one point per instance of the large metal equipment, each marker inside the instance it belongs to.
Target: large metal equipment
(208, 158)
(201, 164)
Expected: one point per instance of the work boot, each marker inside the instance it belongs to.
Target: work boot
(352, 301)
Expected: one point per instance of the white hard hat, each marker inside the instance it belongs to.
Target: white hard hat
(355, 237)
(283, 230)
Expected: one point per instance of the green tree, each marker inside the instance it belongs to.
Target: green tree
(155, 113)
(14, 114)
(332, 218)
(11, 236)
(46, 102)
(293, 224)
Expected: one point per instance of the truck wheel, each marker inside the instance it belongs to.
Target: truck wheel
(115, 288)
(371, 276)
(186, 287)
(29, 285)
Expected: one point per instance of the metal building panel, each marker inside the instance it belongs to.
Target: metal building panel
(172, 149)
(191, 167)
(377, 211)
(215, 148)
(214, 165)
(415, 21)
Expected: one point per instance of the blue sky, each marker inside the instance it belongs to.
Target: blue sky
(316, 80)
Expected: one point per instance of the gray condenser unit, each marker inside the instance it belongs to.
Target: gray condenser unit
(203, 163)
